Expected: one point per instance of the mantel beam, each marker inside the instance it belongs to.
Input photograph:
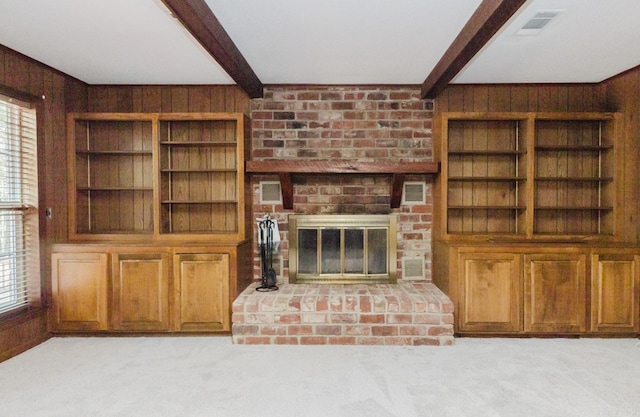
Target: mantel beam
(485, 22)
(286, 169)
(199, 20)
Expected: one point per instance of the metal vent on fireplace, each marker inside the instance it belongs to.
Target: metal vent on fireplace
(413, 268)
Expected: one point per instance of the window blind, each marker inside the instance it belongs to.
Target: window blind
(19, 249)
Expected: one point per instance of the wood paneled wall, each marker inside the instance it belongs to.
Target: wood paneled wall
(623, 95)
(61, 93)
(223, 98)
(522, 98)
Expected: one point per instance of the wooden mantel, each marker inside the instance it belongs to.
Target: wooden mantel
(287, 168)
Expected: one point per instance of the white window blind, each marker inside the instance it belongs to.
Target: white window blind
(19, 249)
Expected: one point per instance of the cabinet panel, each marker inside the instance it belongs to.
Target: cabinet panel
(202, 291)
(140, 285)
(491, 288)
(79, 282)
(555, 293)
(614, 289)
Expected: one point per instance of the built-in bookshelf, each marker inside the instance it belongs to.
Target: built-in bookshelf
(159, 174)
(529, 174)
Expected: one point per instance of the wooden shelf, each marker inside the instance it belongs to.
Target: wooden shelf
(286, 168)
(198, 143)
(576, 179)
(196, 170)
(477, 207)
(584, 208)
(593, 148)
(120, 152)
(115, 188)
(488, 152)
(199, 202)
(487, 179)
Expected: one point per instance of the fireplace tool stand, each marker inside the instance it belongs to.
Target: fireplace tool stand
(268, 278)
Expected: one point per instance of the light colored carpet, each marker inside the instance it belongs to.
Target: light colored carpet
(209, 376)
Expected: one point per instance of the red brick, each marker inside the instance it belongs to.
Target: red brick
(327, 330)
(365, 304)
(285, 340)
(372, 318)
(343, 318)
(244, 329)
(259, 318)
(299, 330)
(427, 318)
(398, 341)
(313, 340)
(357, 330)
(423, 341)
(257, 340)
(237, 318)
(294, 303)
(440, 330)
(412, 330)
(384, 330)
(273, 330)
(312, 317)
(342, 340)
(322, 303)
(399, 318)
(370, 340)
(293, 318)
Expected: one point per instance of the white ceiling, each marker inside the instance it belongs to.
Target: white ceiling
(320, 42)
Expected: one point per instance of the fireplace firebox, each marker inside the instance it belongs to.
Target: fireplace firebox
(342, 249)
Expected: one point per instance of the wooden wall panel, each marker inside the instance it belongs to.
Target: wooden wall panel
(522, 98)
(622, 95)
(60, 92)
(217, 98)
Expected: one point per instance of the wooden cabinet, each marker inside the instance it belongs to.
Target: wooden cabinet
(528, 289)
(201, 286)
(79, 283)
(490, 291)
(140, 291)
(615, 293)
(160, 176)
(554, 286)
(147, 288)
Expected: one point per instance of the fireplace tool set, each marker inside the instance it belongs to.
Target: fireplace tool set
(266, 228)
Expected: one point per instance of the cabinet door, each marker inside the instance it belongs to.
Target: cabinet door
(490, 288)
(140, 285)
(79, 282)
(555, 293)
(614, 293)
(202, 292)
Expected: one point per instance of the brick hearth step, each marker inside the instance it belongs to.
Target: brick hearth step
(407, 313)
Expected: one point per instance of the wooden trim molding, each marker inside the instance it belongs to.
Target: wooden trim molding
(199, 20)
(488, 18)
(286, 169)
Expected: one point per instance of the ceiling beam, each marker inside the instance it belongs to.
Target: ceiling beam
(488, 18)
(199, 20)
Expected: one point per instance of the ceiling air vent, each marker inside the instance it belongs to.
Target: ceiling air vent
(538, 22)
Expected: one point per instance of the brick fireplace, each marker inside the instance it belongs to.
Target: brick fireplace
(362, 124)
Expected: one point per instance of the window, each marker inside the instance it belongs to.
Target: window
(19, 250)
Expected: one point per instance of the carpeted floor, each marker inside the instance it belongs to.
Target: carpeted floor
(208, 376)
